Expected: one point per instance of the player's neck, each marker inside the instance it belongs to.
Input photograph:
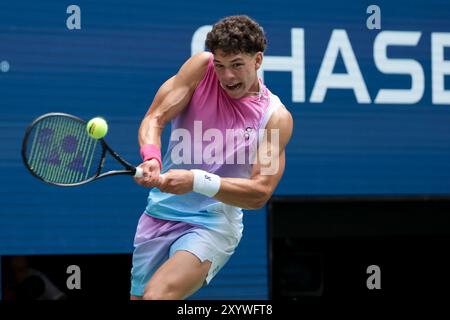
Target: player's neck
(255, 90)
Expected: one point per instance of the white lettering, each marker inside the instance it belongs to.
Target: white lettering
(398, 66)
(339, 43)
(439, 67)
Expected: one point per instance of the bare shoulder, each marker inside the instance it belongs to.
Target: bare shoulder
(200, 60)
(281, 119)
(194, 69)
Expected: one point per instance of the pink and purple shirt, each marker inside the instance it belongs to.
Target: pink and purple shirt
(217, 134)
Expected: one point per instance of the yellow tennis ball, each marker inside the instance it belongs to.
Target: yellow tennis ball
(97, 128)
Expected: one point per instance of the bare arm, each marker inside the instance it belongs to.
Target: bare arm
(172, 97)
(254, 192)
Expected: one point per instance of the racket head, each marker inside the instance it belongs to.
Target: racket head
(58, 150)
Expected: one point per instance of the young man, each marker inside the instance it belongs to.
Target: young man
(193, 221)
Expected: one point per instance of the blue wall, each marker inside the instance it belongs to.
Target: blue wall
(113, 66)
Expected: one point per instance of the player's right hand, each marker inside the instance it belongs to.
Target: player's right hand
(150, 174)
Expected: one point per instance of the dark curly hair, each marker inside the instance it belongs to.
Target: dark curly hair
(235, 34)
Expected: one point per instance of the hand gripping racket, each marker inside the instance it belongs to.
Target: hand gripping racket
(58, 150)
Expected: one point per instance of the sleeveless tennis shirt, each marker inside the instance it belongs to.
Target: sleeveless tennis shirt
(217, 134)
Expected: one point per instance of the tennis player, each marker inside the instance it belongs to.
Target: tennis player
(193, 220)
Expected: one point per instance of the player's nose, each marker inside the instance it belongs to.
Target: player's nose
(228, 76)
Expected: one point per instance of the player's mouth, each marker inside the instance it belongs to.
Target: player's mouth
(233, 87)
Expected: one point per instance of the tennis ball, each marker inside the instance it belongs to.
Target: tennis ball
(97, 128)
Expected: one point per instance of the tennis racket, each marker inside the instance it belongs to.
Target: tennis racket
(58, 150)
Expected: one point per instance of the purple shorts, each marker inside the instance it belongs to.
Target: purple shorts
(157, 240)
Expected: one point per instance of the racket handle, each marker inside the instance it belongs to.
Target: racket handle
(139, 172)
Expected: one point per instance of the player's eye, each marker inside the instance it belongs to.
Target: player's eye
(237, 65)
(218, 66)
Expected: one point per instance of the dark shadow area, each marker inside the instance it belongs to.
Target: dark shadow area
(51, 277)
(324, 246)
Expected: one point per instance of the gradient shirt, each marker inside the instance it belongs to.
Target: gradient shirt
(217, 134)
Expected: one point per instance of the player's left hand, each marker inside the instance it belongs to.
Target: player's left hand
(176, 181)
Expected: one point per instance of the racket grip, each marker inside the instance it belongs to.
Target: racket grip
(138, 173)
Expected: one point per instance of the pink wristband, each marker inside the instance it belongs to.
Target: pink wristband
(151, 151)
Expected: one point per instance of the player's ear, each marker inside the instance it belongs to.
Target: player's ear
(259, 59)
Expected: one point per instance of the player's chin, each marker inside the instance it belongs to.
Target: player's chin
(236, 95)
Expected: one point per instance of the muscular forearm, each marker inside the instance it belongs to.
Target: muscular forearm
(150, 131)
(243, 193)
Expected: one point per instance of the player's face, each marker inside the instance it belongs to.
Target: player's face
(237, 72)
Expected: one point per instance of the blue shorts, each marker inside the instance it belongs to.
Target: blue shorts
(157, 240)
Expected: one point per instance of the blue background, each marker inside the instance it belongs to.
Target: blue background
(114, 65)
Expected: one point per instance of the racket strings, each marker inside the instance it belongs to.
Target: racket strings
(59, 150)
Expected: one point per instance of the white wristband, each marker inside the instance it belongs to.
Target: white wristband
(206, 183)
